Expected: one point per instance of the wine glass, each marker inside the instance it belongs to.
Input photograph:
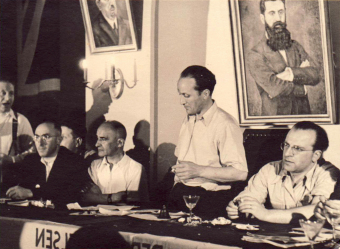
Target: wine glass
(191, 201)
(334, 221)
(311, 229)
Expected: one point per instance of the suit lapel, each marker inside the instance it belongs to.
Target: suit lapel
(275, 59)
(108, 30)
(292, 57)
(55, 168)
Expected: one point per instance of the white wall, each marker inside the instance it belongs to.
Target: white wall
(181, 42)
(134, 104)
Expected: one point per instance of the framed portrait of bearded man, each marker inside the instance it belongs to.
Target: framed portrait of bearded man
(283, 62)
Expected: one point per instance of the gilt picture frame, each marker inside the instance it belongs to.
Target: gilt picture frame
(109, 25)
(283, 85)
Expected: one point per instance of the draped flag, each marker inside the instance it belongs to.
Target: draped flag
(38, 46)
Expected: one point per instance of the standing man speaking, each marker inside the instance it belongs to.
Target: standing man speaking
(210, 149)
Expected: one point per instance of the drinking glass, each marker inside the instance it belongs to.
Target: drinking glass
(334, 221)
(191, 201)
(311, 229)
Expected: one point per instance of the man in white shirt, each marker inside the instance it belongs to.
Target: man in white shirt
(116, 177)
(210, 148)
(16, 135)
(7, 116)
(294, 184)
(280, 66)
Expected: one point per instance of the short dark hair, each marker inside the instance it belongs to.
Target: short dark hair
(117, 127)
(78, 130)
(55, 123)
(321, 140)
(263, 5)
(203, 77)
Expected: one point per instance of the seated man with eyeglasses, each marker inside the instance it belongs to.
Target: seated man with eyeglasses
(294, 184)
(55, 173)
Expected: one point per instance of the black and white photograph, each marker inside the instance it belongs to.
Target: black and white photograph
(164, 124)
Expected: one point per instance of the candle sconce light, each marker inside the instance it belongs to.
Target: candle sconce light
(115, 85)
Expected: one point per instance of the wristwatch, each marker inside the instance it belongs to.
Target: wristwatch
(109, 199)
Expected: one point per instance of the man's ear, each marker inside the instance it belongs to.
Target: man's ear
(206, 93)
(262, 18)
(120, 142)
(316, 155)
(79, 141)
(59, 139)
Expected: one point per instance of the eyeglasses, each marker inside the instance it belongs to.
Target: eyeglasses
(44, 137)
(295, 149)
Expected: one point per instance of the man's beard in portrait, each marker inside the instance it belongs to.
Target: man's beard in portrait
(278, 36)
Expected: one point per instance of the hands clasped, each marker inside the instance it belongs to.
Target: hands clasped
(18, 192)
(330, 207)
(186, 170)
(248, 205)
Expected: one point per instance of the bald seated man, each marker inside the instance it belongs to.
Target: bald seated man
(116, 178)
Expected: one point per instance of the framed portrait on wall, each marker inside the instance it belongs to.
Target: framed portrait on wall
(109, 25)
(283, 62)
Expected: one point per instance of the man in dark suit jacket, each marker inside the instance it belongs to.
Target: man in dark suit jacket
(280, 66)
(55, 173)
(110, 29)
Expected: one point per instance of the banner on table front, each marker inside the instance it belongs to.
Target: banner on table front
(42, 235)
(148, 241)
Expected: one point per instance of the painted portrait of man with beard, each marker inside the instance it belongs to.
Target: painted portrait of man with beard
(283, 58)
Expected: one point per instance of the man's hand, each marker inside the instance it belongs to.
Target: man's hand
(332, 207)
(232, 210)
(252, 206)
(287, 74)
(185, 170)
(18, 192)
(319, 208)
(305, 64)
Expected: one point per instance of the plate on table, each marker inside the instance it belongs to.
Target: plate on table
(220, 221)
(247, 227)
(120, 208)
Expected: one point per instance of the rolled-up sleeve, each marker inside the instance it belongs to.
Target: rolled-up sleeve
(258, 184)
(230, 147)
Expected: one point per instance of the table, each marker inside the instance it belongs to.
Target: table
(33, 227)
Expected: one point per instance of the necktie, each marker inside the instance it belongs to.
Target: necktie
(115, 31)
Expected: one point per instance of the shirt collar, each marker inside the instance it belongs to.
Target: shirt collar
(49, 160)
(10, 114)
(112, 22)
(119, 164)
(282, 174)
(207, 116)
(309, 177)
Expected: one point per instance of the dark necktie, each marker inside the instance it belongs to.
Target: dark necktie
(115, 31)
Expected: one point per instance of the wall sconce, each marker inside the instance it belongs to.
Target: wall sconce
(115, 84)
